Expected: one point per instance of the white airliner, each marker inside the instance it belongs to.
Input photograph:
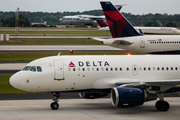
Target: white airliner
(152, 30)
(85, 19)
(126, 37)
(130, 80)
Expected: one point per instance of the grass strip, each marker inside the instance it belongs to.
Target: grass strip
(71, 33)
(27, 56)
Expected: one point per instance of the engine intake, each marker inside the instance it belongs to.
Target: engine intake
(127, 96)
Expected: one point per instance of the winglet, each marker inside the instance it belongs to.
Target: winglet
(118, 25)
(59, 54)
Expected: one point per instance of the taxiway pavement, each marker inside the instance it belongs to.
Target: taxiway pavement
(59, 48)
(44, 36)
(84, 109)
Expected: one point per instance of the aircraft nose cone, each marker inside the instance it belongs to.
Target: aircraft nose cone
(13, 81)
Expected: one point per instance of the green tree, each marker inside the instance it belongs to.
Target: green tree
(154, 24)
(171, 24)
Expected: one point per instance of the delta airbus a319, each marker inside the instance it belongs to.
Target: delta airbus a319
(130, 80)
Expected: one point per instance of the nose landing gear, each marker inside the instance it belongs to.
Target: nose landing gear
(55, 105)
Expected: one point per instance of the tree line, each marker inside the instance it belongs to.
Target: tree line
(53, 18)
(11, 22)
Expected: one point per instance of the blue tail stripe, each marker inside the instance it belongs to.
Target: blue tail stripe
(129, 31)
(108, 7)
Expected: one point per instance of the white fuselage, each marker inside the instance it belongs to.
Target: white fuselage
(87, 19)
(73, 73)
(158, 30)
(153, 30)
(148, 43)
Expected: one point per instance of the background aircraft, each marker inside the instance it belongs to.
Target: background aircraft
(126, 37)
(151, 30)
(85, 19)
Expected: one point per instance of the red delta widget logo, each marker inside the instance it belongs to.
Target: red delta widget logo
(90, 63)
(71, 64)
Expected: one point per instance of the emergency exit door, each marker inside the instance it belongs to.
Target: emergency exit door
(134, 69)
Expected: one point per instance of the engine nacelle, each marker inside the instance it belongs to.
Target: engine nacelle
(127, 96)
(92, 95)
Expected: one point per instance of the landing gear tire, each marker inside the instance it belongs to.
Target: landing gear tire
(54, 105)
(162, 105)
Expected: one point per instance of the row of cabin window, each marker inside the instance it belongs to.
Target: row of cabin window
(97, 69)
(158, 68)
(167, 42)
(120, 69)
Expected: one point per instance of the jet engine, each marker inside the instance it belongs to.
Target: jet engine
(130, 97)
(92, 95)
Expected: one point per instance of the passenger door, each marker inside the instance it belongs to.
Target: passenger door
(58, 70)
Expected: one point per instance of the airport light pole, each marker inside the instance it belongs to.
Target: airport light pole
(16, 23)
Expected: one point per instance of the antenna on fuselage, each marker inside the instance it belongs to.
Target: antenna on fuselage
(59, 54)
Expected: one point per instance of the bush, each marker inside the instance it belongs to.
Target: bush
(38, 25)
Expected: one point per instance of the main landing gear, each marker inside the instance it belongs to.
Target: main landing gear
(162, 105)
(55, 105)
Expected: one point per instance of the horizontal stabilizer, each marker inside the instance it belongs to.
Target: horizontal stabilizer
(122, 42)
(99, 39)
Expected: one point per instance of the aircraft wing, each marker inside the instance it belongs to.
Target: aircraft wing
(92, 17)
(150, 82)
(153, 86)
(97, 17)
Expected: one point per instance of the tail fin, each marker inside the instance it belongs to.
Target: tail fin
(102, 23)
(118, 25)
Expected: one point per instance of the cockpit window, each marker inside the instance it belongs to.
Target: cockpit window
(33, 68)
(39, 69)
(26, 68)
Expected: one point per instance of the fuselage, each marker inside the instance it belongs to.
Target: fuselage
(76, 19)
(87, 19)
(159, 30)
(153, 30)
(74, 73)
(149, 44)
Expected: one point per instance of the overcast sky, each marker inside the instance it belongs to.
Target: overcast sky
(133, 6)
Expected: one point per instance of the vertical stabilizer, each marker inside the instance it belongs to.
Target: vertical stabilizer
(118, 25)
(102, 23)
